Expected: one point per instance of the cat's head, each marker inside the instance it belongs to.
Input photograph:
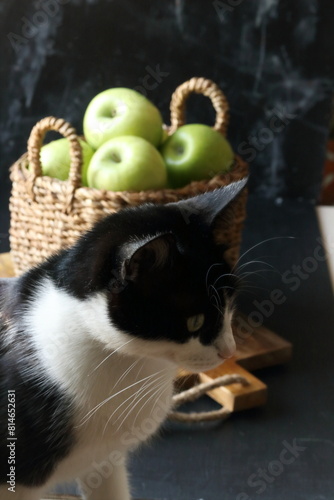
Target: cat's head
(169, 292)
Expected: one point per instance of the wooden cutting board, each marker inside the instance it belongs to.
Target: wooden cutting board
(6, 266)
(261, 349)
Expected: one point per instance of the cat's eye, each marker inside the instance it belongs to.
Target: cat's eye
(194, 323)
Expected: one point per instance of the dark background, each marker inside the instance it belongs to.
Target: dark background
(274, 60)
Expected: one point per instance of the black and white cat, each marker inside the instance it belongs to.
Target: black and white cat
(91, 339)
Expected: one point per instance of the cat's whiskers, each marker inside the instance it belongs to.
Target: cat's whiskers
(223, 276)
(149, 382)
(254, 262)
(164, 388)
(227, 287)
(215, 296)
(102, 403)
(131, 407)
(258, 244)
(212, 290)
(122, 377)
(249, 289)
(155, 389)
(216, 305)
(208, 271)
(111, 354)
(134, 396)
(159, 390)
(237, 275)
(257, 272)
(245, 286)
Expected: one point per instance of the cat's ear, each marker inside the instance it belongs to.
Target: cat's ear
(147, 255)
(208, 205)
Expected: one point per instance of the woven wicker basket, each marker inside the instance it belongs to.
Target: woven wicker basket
(48, 214)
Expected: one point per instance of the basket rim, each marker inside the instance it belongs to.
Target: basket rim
(237, 172)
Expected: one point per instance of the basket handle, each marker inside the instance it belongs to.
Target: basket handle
(35, 143)
(199, 86)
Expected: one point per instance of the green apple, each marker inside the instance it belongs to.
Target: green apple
(121, 111)
(127, 163)
(195, 152)
(55, 159)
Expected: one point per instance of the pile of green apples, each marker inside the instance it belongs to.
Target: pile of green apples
(126, 147)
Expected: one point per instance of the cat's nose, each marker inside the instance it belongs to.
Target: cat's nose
(225, 355)
(226, 348)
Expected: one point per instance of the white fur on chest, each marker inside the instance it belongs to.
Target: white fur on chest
(119, 400)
